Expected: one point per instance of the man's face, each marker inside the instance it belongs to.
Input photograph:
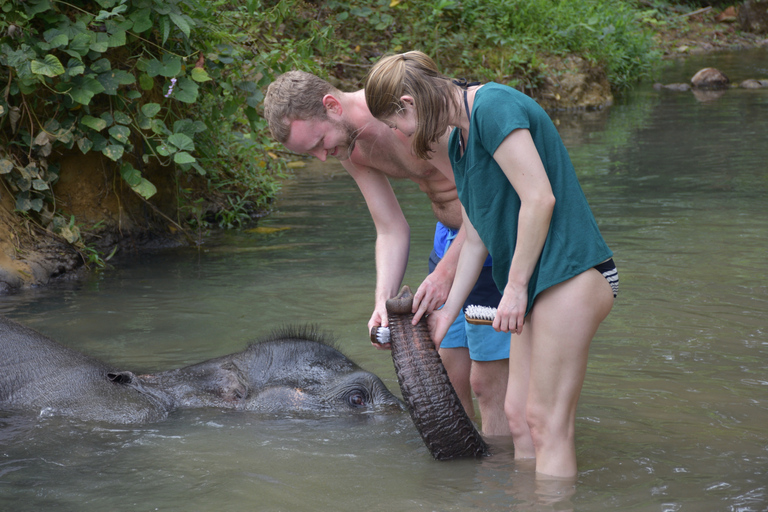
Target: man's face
(322, 138)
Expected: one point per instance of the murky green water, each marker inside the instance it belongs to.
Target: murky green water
(674, 412)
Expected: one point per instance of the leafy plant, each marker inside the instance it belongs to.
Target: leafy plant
(171, 84)
(175, 86)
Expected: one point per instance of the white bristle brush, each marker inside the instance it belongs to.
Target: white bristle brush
(480, 315)
(380, 335)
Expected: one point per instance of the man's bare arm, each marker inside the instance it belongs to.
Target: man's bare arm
(392, 236)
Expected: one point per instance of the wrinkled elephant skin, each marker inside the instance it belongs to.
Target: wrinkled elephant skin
(294, 370)
(432, 402)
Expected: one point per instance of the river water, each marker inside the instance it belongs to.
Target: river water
(674, 411)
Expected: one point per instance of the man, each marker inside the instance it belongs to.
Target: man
(310, 116)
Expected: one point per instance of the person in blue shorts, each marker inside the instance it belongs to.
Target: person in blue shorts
(310, 116)
(523, 205)
(483, 343)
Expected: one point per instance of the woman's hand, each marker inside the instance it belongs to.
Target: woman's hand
(510, 315)
(438, 323)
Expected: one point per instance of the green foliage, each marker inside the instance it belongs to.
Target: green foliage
(168, 84)
(504, 40)
(176, 85)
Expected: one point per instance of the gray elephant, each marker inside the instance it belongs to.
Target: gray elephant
(293, 370)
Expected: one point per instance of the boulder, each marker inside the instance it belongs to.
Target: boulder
(710, 78)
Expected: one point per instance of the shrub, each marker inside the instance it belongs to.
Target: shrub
(174, 83)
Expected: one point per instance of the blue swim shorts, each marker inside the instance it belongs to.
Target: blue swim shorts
(484, 343)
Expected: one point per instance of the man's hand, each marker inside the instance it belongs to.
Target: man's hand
(431, 295)
(379, 319)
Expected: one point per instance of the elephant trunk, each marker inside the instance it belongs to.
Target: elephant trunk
(432, 402)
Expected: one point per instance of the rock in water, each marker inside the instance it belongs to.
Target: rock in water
(710, 78)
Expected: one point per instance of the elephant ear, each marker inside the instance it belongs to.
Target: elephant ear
(432, 402)
(231, 384)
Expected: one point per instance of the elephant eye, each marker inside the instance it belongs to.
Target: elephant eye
(356, 399)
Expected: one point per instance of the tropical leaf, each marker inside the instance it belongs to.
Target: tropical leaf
(150, 109)
(146, 82)
(85, 144)
(182, 157)
(114, 151)
(50, 66)
(182, 142)
(145, 188)
(111, 80)
(130, 174)
(141, 20)
(181, 22)
(199, 75)
(85, 88)
(121, 117)
(169, 67)
(186, 91)
(80, 44)
(120, 133)
(39, 184)
(93, 122)
(99, 42)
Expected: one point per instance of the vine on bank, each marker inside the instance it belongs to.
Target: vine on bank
(169, 82)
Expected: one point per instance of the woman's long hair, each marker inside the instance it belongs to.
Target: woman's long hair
(412, 74)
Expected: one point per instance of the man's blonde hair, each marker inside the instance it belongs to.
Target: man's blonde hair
(295, 95)
(412, 74)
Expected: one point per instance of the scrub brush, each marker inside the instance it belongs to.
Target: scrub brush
(480, 315)
(380, 335)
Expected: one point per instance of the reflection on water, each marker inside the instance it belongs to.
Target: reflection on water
(675, 405)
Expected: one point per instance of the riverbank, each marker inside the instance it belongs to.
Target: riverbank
(575, 84)
(30, 256)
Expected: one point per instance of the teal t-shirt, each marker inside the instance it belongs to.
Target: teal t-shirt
(574, 243)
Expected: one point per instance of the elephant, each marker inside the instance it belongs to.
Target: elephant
(295, 369)
(433, 404)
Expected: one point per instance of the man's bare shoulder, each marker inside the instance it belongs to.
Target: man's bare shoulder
(389, 152)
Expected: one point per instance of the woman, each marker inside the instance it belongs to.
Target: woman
(522, 201)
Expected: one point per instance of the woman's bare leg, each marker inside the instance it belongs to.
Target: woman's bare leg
(557, 336)
(517, 393)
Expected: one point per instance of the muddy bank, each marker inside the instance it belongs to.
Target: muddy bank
(109, 216)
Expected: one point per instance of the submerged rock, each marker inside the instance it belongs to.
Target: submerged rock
(672, 87)
(753, 84)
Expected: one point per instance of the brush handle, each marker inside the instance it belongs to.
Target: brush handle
(478, 321)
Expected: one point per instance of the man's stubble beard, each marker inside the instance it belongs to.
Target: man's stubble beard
(350, 139)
